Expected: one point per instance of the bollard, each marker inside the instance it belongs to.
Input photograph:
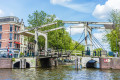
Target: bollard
(78, 63)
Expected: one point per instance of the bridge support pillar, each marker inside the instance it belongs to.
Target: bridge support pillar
(22, 63)
(36, 43)
(46, 45)
(86, 36)
(91, 48)
(56, 63)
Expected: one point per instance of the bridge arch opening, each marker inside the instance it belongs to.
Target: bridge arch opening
(45, 62)
(91, 64)
(16, 65)
(27, 65)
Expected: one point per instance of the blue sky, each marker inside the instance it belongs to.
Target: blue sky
(66, 10)
(22, 8)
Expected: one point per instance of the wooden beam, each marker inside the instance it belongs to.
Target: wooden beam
(101, 23)
(84, 22)
(93, 27)
(73, 22)
(90, 27)
(53, 29)
(26, 33)
(39, 27)
(77, 26)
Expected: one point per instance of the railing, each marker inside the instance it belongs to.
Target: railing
(8, 56)
(54, 53)
(91, 53)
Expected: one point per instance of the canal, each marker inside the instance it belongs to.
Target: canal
(59, 73)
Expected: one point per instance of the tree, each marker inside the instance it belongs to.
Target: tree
(58, 39)
(115, 33)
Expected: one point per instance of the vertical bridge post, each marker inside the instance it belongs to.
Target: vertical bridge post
(86, 35)
(36, 44)
(91, 44)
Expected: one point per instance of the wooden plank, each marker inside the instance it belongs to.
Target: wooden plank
(84, 22)
(53, 29)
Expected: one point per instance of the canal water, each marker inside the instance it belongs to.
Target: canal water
(59, 73)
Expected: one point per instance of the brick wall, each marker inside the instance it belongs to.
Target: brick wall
(5, 35)
(110, 63)
(5, 63)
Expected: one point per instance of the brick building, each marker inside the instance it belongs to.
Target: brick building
(10, 40)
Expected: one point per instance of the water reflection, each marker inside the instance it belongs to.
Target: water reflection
(59, 73)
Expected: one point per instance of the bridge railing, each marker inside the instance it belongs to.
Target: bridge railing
(91, 53)
(58, 53)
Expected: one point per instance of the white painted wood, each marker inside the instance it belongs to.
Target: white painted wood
(53, 29)
(83, 22)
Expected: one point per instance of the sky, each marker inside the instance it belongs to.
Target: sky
(66, 10)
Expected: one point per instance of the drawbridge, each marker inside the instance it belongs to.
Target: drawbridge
(87, 35)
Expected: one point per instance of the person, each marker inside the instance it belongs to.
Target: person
(28, 54)
(33, 54)
(95, 53)
(11, 55)
(25, 53)
(88, 51)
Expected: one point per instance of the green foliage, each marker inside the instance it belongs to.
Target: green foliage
(114, 35)
(13, 59)
(98, 50)
(21, 54)
(76, 54)
(56, 39)
(111, 38)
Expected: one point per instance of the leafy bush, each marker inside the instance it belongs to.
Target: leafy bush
(13, 59)
(73, 54)
(79, 54)
(76, 54)
(21, 54)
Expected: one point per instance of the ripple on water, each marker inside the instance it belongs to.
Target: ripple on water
(59, 73)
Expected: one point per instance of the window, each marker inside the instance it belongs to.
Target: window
(10, 44)
(10, 36)
(18, 28)
(15, 28)
(10, 52)
(0, 36)
(0, 44)
(14, 45)
(11, 28)
(0, 27)
(18, 46)
(15, 35)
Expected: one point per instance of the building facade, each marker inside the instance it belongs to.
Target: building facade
(10, 40)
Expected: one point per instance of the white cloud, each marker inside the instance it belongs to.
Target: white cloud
(78, 7)
(98, 36)
(102, 11)
(1, 13)
(75, 31)
(59, 1)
